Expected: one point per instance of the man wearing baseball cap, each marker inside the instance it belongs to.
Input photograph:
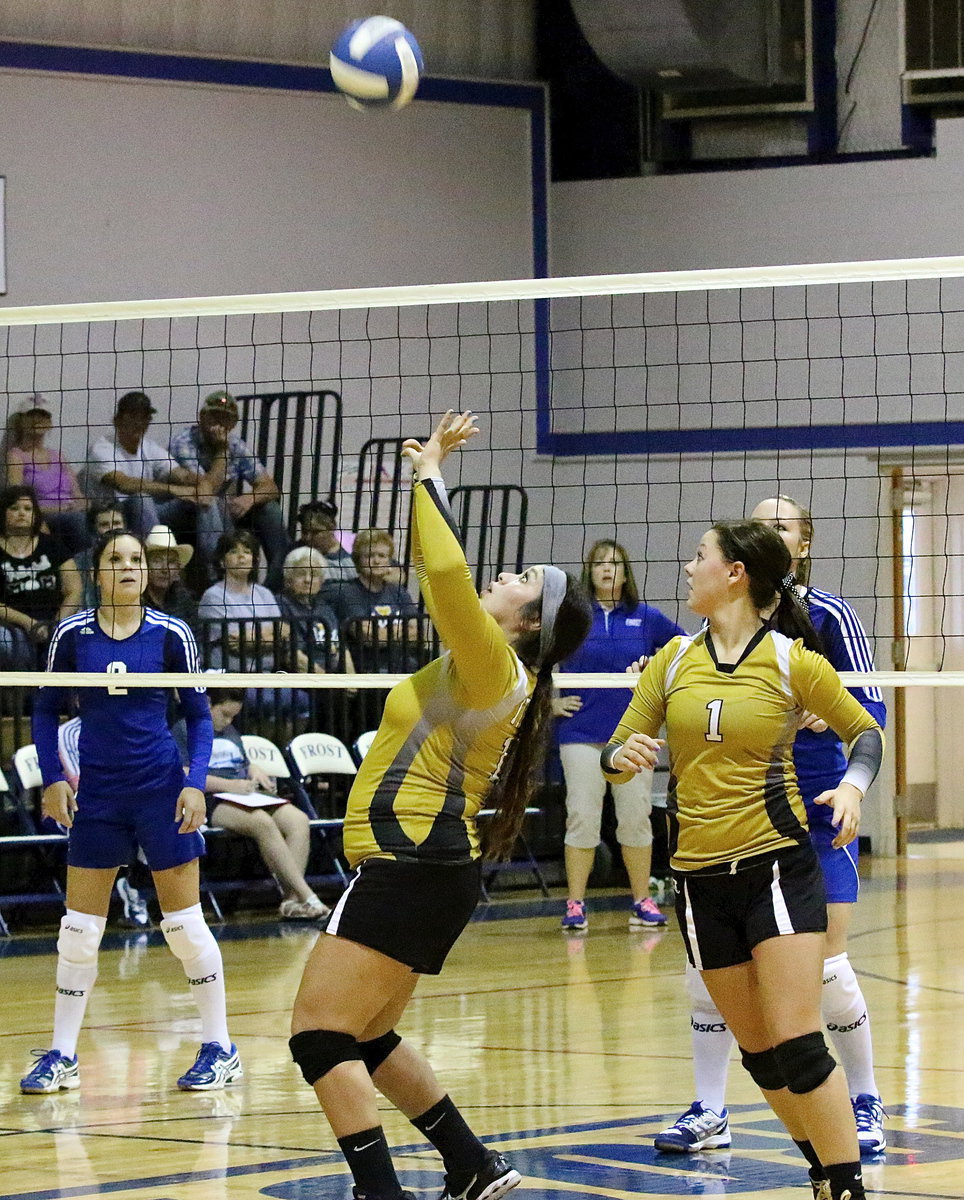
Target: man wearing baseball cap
(243, 492)
(137, 472)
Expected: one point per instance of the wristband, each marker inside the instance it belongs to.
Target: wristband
(606, 759)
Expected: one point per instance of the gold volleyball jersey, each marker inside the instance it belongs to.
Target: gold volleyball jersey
(730, 733)
(446, 729)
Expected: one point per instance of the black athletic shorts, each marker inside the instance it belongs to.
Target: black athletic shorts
(723, 915)
(412, 912)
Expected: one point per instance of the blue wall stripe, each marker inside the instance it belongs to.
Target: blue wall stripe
(800, 437)
(189, 68)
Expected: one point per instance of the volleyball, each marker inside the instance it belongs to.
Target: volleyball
(376, 63)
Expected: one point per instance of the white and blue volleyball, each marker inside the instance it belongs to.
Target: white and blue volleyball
(376, 63)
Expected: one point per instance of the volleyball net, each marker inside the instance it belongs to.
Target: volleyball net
(640, 408)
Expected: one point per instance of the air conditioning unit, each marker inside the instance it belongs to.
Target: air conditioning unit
(707, 57)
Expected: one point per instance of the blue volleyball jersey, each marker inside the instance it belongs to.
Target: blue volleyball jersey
(617, 638)
(126, 746)
(819, 758)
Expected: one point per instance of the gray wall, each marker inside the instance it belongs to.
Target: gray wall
(122, 189)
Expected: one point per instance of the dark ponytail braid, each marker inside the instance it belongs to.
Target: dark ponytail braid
(520, 772)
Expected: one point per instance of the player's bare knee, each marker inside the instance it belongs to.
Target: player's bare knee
(805, 1062)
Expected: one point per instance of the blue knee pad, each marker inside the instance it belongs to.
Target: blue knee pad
(374, 1052)
(805, 1061)
(317, 1051)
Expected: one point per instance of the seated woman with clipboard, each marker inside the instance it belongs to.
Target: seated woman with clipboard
(240, 797)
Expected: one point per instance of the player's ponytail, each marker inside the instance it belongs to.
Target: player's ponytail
(768, 566)
(520, 774)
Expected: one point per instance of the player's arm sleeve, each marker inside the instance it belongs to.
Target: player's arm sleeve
(48, 703)
(817, 689)
(645, 713)
(484, 663)
(194, 706)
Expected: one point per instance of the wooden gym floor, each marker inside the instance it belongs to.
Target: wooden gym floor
(569, 1051)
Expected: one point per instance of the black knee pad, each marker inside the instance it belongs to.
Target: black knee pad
(316, 1051)
(374, 1052)
(805, 1061)
(764, 1069)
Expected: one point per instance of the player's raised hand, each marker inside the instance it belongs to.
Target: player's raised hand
(451, 433)
(639, 666)
(637, 753)
(190, 810)
(59, 803)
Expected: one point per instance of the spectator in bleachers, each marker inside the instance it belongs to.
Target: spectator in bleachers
(312, 620)
(244, 622)
(52, 478)
(317, 522)
(166, 559)
(243, 493)
(102, 518)
(139, 473)
(384, 625)
(280, 828)
(39, 582)
(238, 598)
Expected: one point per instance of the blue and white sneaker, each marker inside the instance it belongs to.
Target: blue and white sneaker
(698, 1128)
(575, 917)
(213, 1069)
(52, 1072)
(869, 1115)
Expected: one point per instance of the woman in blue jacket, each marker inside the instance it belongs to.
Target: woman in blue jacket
(624, 629)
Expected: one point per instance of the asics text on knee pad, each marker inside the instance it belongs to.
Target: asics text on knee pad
(79, 938)
(187, 934)
(805, 1061)
(317, 1051)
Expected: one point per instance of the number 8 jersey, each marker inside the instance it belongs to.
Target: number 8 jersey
(730, 730)
(125, 744)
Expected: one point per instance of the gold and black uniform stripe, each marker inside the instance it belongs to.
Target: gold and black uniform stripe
(446, 729)
(733, 793)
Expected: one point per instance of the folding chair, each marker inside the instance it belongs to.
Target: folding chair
(362, 744)
(265, 754)
(21, 802)
(315, 755)
(526, 861)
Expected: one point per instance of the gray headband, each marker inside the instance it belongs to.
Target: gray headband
(554, 584)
